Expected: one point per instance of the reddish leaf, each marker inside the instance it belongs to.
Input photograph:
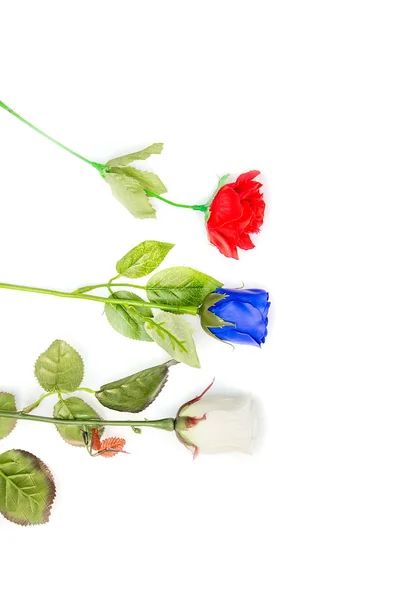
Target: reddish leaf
(108, 447)
(111, 446)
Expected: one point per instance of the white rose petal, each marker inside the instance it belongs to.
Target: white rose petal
(230, 424)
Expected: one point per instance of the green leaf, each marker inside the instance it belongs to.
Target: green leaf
(180, 286)
(7, 403)
(122, 161)
(27, 489)
(174, 335)
(74, 408)
(60, 368)
(137, 392)
(126, 319)
(148, 181)
(143, 259)
(130, 193)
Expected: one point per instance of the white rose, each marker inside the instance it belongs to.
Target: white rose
(217, 424)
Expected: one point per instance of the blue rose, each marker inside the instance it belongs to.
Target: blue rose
(238, 316)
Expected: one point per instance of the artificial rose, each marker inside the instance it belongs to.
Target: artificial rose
(237, 316)
(217, 424)
(236, 211)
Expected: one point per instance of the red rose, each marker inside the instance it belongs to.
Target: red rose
(237, 210)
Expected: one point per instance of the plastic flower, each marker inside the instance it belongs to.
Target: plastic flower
(219, 424)
(236, 211)
(238, 316)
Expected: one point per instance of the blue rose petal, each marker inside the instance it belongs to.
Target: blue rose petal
(247, 310)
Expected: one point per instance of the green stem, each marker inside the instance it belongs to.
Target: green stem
(89, 288)
(202, 207)
(190, 310)
(34, 405)
(166, 424)
(97, 166)
(38, 402)
(115, 277)
(85, 389)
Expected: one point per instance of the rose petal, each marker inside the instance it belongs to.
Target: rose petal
(246, 317)
(225, 242)
(257, 205)
(245, 242)
(247, 176)
(246, 217)
(249, 187)
(225, 207)
(257, 297)
(234, 336)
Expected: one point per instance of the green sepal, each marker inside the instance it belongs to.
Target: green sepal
(27, 488)
(210, 319)
(221, 182)
(136, 392)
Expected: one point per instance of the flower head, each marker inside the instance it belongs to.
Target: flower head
(220, 424)
(237, 316)
(236, 211)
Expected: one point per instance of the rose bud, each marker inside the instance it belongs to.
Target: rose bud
(219, 424)
(238, 316)
(236, 211)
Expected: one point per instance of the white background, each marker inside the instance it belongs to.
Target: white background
(308, 93)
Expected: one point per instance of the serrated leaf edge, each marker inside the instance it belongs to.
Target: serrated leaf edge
(167, 364)
(16, 420)
(56, 390)
(71, 421)
(53, 490)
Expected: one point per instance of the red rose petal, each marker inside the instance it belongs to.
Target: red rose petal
(236, 211)
(245, 242)
(247, 188)
(224, 208)
(247, 176)
(257, 219)
(224, 245)
(246, 217)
